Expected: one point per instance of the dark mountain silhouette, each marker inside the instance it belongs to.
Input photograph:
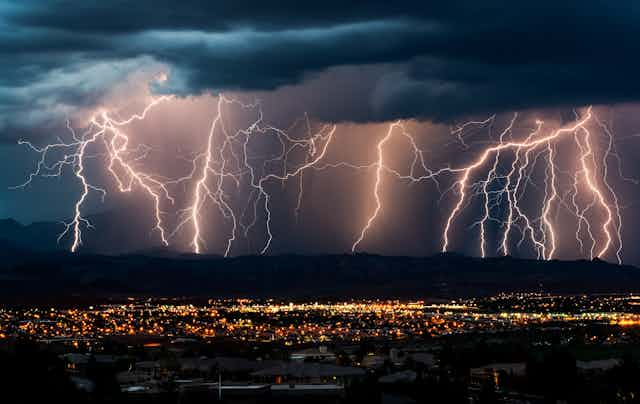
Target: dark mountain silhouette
(28, 275)
(39, 236)
(109, 239)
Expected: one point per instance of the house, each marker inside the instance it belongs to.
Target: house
(597, 366)
(405, 376)
(308, 373)
(75, 363)
(373, 361)
(495, 371)
(83, 384)
(198, 366)
(148, 368)
(397, 357)
(131, 381)
(325, 393)
(319, 354)
(424, 359)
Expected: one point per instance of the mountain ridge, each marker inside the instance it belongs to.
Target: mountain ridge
(25, 275)
(43, 236)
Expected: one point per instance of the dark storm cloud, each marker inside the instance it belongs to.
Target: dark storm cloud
(433, 60)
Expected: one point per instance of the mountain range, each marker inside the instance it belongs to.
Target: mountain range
(28, 275)
(44, 236)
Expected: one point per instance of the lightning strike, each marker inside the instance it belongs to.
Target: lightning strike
(544, 239)
(116, 149)
(376, 187)
(228, 169)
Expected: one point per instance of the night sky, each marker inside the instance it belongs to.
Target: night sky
(361, 66)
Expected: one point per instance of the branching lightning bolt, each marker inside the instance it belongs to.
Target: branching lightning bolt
(228, 169)
(117, 151)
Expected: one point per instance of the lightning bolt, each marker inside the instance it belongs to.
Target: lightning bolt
(75, 155)
(231, 158)
(418, 162)
(376, 187)
(513, 188)
(485, 189)
(228, 169)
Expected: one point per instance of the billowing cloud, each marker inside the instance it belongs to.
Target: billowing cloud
(401, 59)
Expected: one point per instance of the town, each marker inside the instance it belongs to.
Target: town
(495, 348)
